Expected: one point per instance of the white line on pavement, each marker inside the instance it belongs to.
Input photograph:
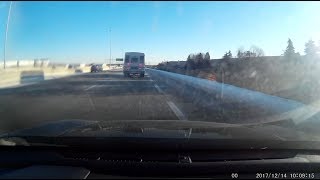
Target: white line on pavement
(91, 103)
(173, 107)
(90, 87)
(158, 88)
(176, 110)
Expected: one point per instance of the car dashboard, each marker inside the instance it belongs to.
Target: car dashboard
(63, 163)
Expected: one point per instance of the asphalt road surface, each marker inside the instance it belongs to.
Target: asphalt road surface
(111, 96)
(91, 96)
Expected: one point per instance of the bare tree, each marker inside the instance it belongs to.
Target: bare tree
(240, 52)
(227, 55)
(192, 57)
(190, 64)
(256, 51)
(207, 56)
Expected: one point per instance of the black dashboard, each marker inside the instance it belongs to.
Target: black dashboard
(62, 163)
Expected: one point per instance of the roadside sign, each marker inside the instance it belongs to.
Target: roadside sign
(119, 59)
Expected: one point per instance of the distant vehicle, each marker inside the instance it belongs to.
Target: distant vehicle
(70, 66)
(134, 64)
(96, 68)
(78, 71)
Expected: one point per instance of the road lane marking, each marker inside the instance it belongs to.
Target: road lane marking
(90, 87)
(173, 107)
(158, 88)
(176, 110)
(91, 102)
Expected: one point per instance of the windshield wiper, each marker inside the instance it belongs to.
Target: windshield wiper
(130, 144)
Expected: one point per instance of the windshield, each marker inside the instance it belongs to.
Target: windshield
(142, 59)
(127, 59)
(196, 68)
(134, 60)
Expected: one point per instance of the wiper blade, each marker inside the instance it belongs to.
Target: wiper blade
(170, 144)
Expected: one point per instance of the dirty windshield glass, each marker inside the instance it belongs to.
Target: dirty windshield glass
(217, 70)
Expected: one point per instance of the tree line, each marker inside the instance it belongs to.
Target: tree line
(202, 60)
(311, 50)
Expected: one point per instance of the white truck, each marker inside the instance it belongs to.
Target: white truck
(134, 64)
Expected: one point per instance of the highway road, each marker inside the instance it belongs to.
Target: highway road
(91, 96)
(107, 96)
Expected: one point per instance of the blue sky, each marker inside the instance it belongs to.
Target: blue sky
(78, 31)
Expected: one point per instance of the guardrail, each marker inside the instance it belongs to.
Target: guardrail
(12, 77)
(215, 95)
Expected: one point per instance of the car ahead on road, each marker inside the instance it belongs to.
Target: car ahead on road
(96, 68)
(83, 149)
(134, 64)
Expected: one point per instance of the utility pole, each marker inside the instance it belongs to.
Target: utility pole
(6, 36)
(110, 46)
